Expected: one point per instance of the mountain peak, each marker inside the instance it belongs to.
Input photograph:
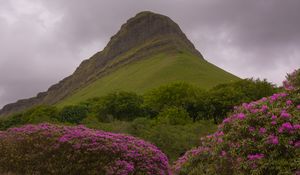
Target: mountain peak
(146, 26)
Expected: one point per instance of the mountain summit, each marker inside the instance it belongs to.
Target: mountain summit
(149, 50)
(146, 26)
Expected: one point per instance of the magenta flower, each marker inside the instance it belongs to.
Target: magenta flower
(273, 139)
(255, 156)
(264, 108)
(284, 114)
(223, 153)
(297, 144)
(251, 129)
(286, 127)
(297, 126)
(241, 116)
(273, 122)
(226, 120)
(262, 130)
(289, 102)
(298, 107)
(274, 117)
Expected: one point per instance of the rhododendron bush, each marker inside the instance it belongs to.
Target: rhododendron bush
(261, 137)
(54, 149)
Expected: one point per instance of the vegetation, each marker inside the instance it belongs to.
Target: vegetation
(224, 97)
(72, 114)
(261, 137)
(119, 105)
(172, 117)
(54, 149)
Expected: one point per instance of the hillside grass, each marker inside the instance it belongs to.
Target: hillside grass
(153, 72)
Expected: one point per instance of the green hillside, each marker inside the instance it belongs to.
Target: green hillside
(153, 72)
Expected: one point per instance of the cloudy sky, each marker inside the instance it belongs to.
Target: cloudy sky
(43, 41)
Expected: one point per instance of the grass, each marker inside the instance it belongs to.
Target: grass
(160, 69)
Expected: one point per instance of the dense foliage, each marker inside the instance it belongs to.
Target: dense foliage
(221, 99)
(171, 116)
(72, 114)
(188, 100)
(119, 105)
(261, 137)
(178, 95)
(54, 149)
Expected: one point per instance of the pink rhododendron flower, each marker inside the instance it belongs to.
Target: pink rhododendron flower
(251, 129)
(297, 126)
(284, 114)
(286, 127)
(223, 153)
(274, 117)
(297, 144)
(241, 116)
(273, 139)
(262, 130)
(264, 108)
(289, 102)
(255, 156)
(226, 120)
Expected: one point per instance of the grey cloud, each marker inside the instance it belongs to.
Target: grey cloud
(43, 41)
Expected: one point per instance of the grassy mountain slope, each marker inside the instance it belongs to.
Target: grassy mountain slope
(152, 72)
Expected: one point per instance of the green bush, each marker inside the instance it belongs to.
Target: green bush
(73, 114)
(222, 98)
(174, 116)
(119, 105)
(180, 95)
(34, 115)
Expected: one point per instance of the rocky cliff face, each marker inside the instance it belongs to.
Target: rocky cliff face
(141, 36)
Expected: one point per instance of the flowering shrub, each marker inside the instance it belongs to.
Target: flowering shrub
(261, 137)
(292, 81)
(54, 149)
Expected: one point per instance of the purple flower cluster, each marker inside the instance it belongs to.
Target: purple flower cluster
(100, 151)
(273, 140)
(188, 155)
(255, 156)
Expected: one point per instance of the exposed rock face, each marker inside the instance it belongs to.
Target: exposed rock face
(141, 36)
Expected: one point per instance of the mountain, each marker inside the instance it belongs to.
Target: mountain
(149, 50)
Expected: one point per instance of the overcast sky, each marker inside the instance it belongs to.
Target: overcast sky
(43, 41)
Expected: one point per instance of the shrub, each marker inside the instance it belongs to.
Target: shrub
(38, 114)
(120, 105)
(261, 137)
(174, 116)
(73, 114)
(54, 149)
(222, 98)
(180, 94)
(292, 80)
